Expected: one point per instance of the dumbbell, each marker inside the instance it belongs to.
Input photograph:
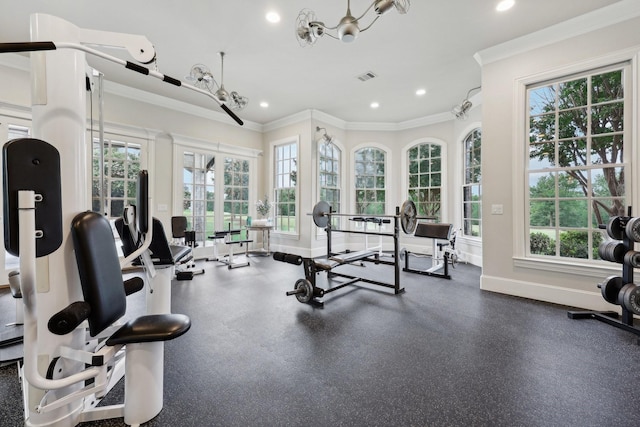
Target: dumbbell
(629, 297)
(613, 251)
(615, 230)
(610, 288)
(632, 258)
(632, 229)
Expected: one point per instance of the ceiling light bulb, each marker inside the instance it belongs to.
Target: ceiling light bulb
(273, 17)
(505, 5)
(264, 104)
(421, 92)
(348, 29)
(374, 105)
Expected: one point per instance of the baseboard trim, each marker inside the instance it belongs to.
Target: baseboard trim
(587, 300)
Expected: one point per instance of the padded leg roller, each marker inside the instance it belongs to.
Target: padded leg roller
(184, 275)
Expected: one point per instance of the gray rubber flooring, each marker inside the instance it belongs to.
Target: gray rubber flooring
(444, 353)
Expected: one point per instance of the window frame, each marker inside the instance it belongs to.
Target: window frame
(337, 220)
(219, 150)
(465, 167)
(387, 183)
(589, 268)
(274, 145)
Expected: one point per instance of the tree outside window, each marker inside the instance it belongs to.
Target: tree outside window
(472, 188)
(425, 179)
(285, 179)
(576, 169)
(329, 177)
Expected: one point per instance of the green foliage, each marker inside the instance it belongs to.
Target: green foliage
(542, 244)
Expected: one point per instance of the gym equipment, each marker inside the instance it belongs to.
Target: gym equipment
(407, 214)
(11, 339)
(82, 369)
(441, 235)
(620, 290)
(229, 260)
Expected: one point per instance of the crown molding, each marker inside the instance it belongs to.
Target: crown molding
(21, 62)
(215, 146)
(589, 22)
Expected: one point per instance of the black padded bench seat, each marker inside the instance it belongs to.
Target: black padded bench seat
(161, 252)
(151, 328)
(351, 256)
(103, 287)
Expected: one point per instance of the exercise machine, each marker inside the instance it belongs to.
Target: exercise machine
(227, 236)
(441, 237)
(62, 369)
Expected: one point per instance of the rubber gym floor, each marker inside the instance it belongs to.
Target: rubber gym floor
(444, 353)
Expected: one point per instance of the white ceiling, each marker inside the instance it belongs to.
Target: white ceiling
(430, 47)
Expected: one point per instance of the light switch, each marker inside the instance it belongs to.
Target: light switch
(162, 208)
(496, 210)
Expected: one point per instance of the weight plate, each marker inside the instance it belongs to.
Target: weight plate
(614, 228)
(408, 217)
(632, 258)
(630, 297)
(320, 211)
(307, 287)
(610, 289)
(633, 229)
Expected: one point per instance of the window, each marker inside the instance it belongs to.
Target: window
(236, 193)
(370, 181)
(329, 177)
(199, 193)
(425, 179)
(121, 167)
(285, 179)
(576, 169)
(472, 189)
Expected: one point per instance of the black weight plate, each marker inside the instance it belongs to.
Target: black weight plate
(610, 289)
(408, 217)
(618, 251)
(614, 228)
(320, 211)
(630, 297)
(632, 229)
(632, 258)
(305, 285)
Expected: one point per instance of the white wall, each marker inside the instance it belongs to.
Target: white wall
(561, 283)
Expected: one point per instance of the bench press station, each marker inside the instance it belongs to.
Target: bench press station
(306, 290)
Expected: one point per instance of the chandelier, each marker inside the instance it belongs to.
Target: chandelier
(309, 29)
(203, 79)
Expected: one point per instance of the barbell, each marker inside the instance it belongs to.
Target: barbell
(408, 215)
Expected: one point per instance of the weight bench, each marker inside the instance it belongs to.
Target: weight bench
(229, 260)
(306, 290)
(441, 234)
(162, 253)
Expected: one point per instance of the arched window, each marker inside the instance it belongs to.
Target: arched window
(471, 187)
(329, 167)
(370, 182)
(425, 179)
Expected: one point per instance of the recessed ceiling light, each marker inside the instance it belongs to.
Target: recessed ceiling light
(420, 92)
(273, 17)
(264, 104)
(505, 5)
(374, 105)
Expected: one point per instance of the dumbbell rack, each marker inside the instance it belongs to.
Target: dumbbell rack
(611, 317)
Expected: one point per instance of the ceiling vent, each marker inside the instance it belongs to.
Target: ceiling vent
(366, 76)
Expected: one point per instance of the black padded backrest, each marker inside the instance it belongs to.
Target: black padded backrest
(178, 226)
(32, 164)
(160, 250)
(128, 242)
(142, 198)
(99, 270)
(434, 231)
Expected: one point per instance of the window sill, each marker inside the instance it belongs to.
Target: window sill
(576, 268)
